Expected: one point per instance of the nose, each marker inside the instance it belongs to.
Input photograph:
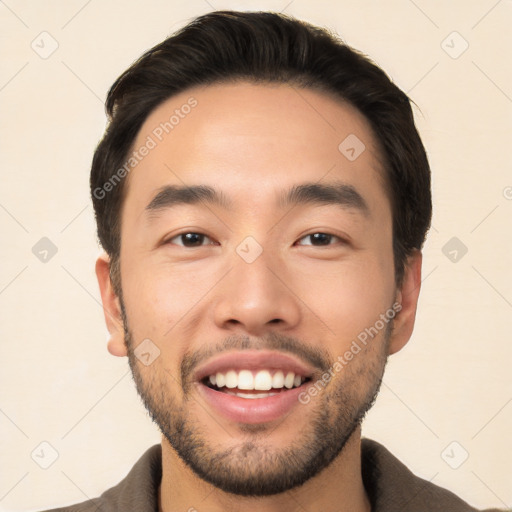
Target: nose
(256, 297)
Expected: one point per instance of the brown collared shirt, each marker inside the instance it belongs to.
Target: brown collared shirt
(391, 487)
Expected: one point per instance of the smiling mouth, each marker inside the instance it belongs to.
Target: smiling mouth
(254, 384)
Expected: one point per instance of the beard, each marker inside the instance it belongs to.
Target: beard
(252, 467)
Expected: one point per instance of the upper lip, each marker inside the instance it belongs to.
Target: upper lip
(253, 360)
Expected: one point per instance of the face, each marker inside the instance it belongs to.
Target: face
(256, 255)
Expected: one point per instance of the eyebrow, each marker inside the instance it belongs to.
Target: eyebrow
(340, 194)
(173, 195)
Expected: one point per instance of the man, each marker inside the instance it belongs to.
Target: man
(262, 196)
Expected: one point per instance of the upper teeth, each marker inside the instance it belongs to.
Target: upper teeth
(261, 380)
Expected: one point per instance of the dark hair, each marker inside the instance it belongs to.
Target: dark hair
(263, 47)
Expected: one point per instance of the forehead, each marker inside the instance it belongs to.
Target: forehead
(250, 140)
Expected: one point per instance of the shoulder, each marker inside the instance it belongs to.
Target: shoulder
(137, 491)
(392, 486)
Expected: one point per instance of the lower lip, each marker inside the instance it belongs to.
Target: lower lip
(251, 410)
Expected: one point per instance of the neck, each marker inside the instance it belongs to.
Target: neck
(339, 487)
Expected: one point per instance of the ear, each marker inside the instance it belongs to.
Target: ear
(111, 307)
(407, 296)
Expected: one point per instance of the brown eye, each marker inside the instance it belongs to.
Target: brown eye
(319, 239)
(189, 239)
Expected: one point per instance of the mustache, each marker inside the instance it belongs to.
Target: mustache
(314, 356)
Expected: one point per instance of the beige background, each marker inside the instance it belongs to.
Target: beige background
(58, 383)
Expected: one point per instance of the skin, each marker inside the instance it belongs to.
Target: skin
(253, 142)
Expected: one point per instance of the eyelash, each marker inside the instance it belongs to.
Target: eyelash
(305, 236)
(322, 233)
(183, 234)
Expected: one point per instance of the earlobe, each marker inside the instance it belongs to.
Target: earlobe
(407, 296)
(116, 346)
(111, 307)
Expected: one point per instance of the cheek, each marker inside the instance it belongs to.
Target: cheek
(158, 295)
(349, 299)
